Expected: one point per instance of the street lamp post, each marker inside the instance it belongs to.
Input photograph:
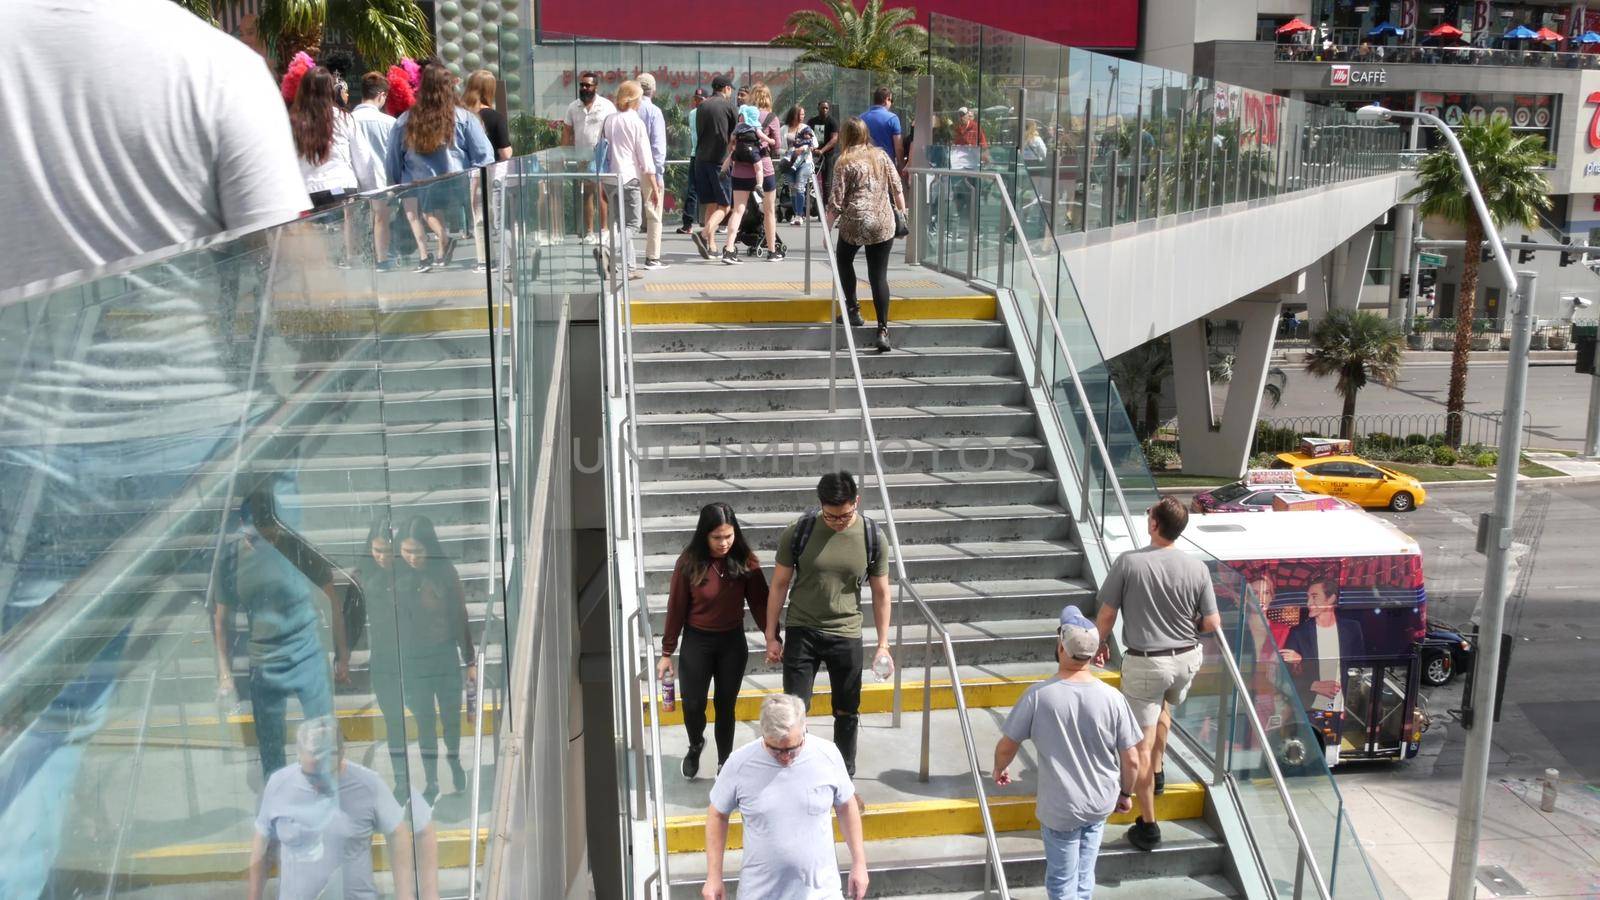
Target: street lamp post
(1475, 772)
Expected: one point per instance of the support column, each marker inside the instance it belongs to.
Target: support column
(1404, 223)
(1350, 270)
(1213, 445)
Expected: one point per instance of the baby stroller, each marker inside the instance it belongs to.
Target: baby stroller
(753, 229)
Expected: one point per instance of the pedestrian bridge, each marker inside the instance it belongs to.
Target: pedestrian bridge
(546, 431)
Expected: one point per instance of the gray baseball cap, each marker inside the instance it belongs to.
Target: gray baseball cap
(1079, 636)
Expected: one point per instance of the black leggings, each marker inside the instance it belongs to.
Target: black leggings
(704, 656)
(877, 275)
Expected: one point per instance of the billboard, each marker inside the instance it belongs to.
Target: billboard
(1111, 24)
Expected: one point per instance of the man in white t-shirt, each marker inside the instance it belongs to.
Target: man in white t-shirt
(321, 813)
(784, 786)
(580, 130)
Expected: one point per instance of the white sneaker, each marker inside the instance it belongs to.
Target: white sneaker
(655, 264)
(591, 238)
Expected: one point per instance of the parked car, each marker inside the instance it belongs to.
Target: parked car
(1446, 652)
(1247, 496)
(1355, 479)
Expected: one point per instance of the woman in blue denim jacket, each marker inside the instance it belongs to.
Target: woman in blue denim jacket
(435, 137)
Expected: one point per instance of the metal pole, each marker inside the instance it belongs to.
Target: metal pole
(1496, 578)
(1591, 436)
(808, 243)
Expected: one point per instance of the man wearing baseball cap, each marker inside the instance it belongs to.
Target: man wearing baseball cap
(1088, 748)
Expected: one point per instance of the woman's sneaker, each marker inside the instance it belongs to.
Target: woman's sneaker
(426, 264)
(775, 256)
(731, 258)
(701, 244)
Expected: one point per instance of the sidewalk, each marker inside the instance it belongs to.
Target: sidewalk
(1297, 355)
(1571, 466)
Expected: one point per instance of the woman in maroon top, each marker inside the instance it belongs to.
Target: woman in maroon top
(715, 579)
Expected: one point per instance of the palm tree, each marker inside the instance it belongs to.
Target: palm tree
(873, 38)
(383, 31)
(1505, 165)
(201, 8)
(1139, 374)
(1358, 347)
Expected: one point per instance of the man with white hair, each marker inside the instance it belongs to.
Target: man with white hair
(1088, 747)
(655, 125)
(321, 812)
(783, 786)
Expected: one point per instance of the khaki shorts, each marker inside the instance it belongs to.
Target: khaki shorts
(1148, 681)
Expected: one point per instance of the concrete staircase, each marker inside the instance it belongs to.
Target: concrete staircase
(733, 406)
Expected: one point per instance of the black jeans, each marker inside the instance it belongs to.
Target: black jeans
(691, 203)
(704, 657)
(877, 275)
(804, 651)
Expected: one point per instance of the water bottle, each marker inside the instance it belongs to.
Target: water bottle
(669, 692)
(882, 666)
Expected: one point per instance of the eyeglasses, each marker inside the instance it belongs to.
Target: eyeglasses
(839, 519)
(784, 754)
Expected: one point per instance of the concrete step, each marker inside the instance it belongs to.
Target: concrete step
(375, 472)
(445, 506)
(969, 563)
(976, 643)
(1187, 864)
(733, 310)
(907, 490)
(768, 337)
(397, 407)
(967, 454)
(736, 365)
(891, 424)
(342, 535)
(983, 686)
(811, 394)
(1197, 887)
(376, 439)
(925, 525)
(966, 601)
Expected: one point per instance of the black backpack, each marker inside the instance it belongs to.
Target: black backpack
(808, 523)
(746, 145)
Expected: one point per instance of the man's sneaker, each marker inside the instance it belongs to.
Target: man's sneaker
(701, 244)
(1144, 835)
(1161, 781)
(655, 264)
(731, 258)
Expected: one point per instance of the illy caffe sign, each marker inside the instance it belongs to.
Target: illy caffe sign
(1348, 76)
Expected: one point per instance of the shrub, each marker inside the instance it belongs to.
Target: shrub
(1487, 459)
(1160, 456)
(1416, 453)
(1271, 439)
(1413, 440)
(1445, 456)
(1436, 440)
(1371, 449)
(1262, 461)
(1380, 439)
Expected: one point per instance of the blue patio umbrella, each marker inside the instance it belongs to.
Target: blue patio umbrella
(1520, 33)
(1387, 28)
(1589, 37)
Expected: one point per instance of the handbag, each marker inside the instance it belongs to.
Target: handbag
(900, 227)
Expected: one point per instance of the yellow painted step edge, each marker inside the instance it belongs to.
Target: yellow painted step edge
(878, 697)
(361, 320)
(364, 723)
(705, 312)
(928, 818)
(230, 861)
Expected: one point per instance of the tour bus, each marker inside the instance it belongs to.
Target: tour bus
(1345, 607)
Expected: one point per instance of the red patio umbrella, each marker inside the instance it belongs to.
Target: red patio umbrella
(1546, 35)
(1445, 30)
(1294, 26)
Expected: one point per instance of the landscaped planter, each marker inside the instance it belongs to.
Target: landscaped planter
(1484, 342)
(1537, 342)
(1558, 342)
(1416, 341)
(1444, 343)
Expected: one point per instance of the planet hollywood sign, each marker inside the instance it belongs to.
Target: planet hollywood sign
(1346, 76)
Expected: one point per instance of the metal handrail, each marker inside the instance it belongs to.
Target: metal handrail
(1046, 312)
(904, 580)
(1307, 858)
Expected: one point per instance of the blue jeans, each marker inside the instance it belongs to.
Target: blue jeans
(1069, 861)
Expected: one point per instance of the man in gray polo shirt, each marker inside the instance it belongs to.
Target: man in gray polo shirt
(1166, 599)
(1088, 748)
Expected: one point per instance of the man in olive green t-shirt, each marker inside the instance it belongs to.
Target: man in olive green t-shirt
(824, 623)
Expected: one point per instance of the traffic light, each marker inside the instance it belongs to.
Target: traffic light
(1583, 339)
(1524, 256)
(1566, 258)
(1405, 284)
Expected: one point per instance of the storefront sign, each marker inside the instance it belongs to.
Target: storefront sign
(1594, 123)
(1345, 76)
(1408, 13)
(1480, 16)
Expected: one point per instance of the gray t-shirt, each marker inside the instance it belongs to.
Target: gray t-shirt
(325, 840)
(1079, 729)
(788, 819)
(1162, 592)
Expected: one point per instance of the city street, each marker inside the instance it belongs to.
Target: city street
(1404, 813)
(1558, 397)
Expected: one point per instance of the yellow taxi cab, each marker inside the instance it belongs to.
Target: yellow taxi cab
(1326, 466)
